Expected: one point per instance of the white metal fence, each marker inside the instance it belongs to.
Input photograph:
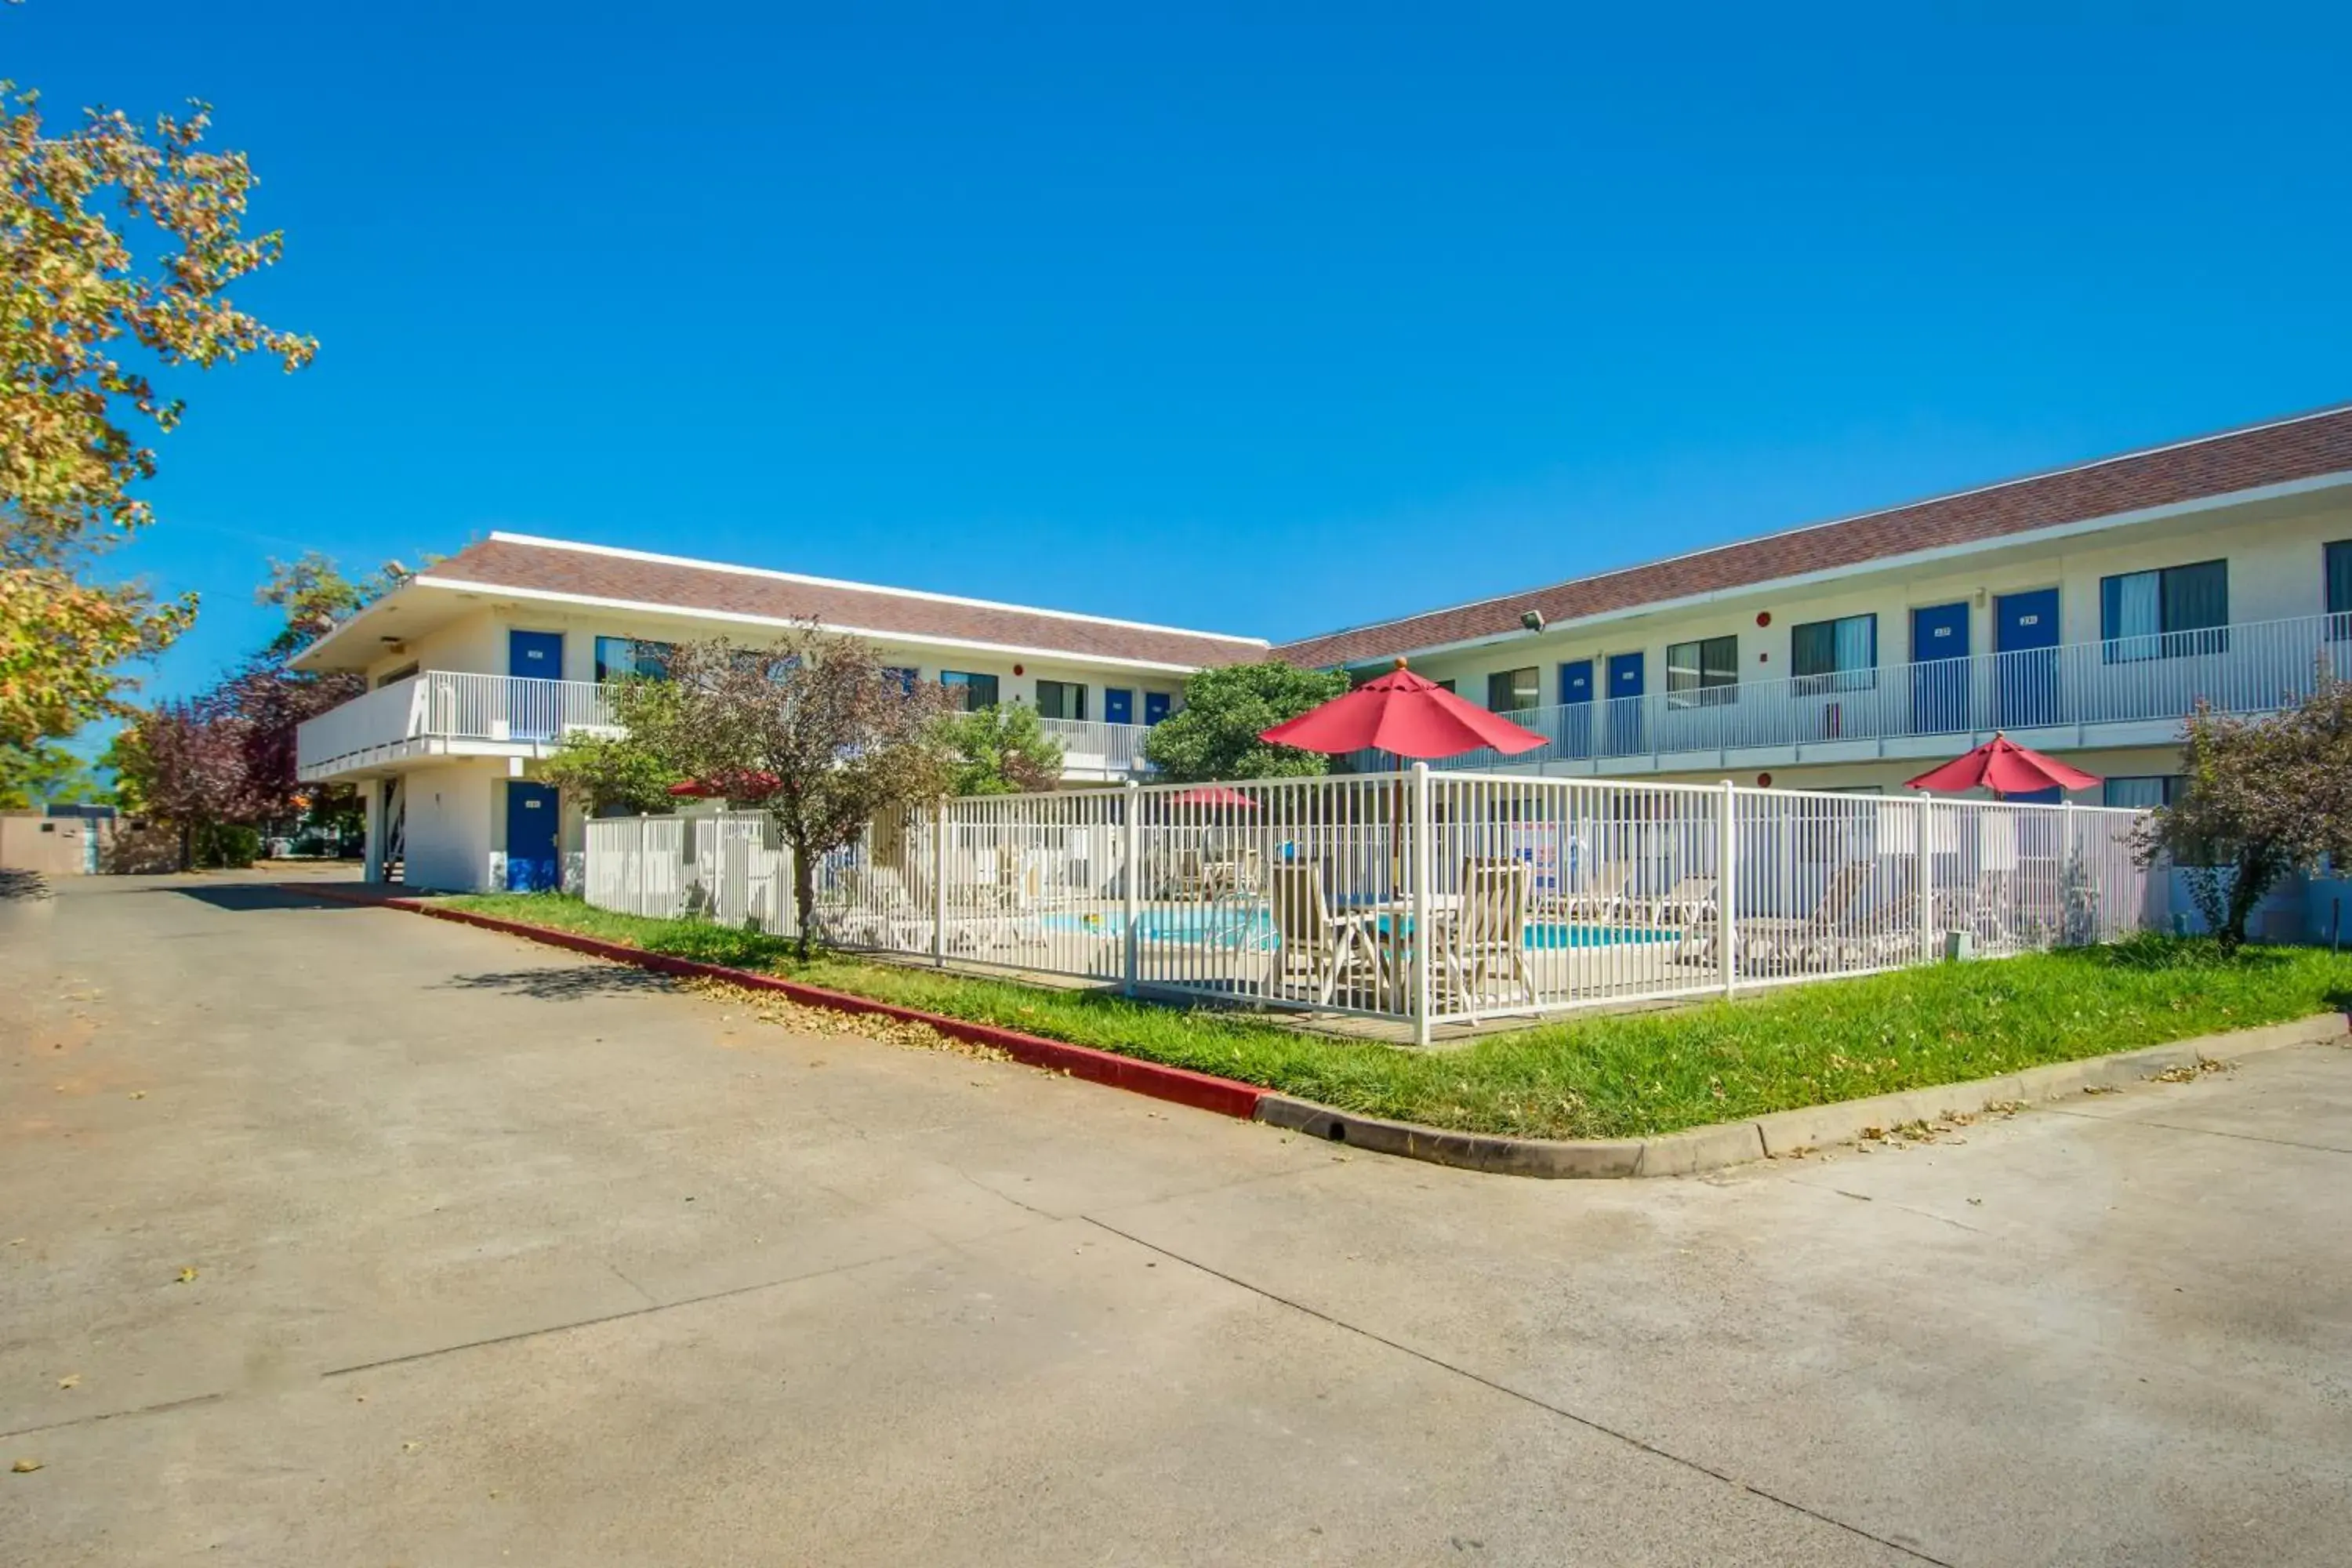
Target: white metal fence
(1091, 744)
(1421, 896)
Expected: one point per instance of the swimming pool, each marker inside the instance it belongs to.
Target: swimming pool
(1226, 926)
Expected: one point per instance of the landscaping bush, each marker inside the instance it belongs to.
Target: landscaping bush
(225, 845)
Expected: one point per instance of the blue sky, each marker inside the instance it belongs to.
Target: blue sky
(1239, 318)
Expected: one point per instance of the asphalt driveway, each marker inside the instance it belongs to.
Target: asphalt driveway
(329, 1235)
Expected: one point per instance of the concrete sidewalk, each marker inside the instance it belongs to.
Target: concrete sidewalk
(504, 1257)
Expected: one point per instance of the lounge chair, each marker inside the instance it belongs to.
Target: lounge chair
(1314, 945)
(874, 909)
(1782, 944)
(1689, 902)
(1604, 900)
(1486, 936)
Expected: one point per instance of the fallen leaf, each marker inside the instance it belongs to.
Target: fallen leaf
(26, 1466)
(69, 1380)
(187, 1276)
(138, 1094)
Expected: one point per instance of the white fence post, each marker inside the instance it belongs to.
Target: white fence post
(1418, 867)
(1923, 871)
(1130, 875)
(940, 883)
(1727, 888)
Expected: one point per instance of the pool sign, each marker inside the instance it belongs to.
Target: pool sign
(1538, 844)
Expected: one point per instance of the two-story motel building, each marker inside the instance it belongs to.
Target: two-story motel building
(478, 666)
(2084, 611)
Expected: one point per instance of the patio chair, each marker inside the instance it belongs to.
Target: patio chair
(1486, 936)
(1982, 907)
(1010, 912)
(1605, 898)
(1313, 944)
(1689, 902)
(1690, 911)
(876, 911)
(1782, 944)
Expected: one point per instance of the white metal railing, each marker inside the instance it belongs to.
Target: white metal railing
(1427, 898)
(2249, 668)
(452, 705)
(1114, 747)
(461, 706)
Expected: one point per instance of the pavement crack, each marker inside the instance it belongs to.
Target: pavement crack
(651, 1300)
(1587, 1422)
(192, 1399)
(2202, 1131)
(1889, 1202)
(1007, 1197)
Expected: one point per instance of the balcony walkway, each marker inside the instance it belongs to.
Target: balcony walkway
(439, 712)
(2128, 691)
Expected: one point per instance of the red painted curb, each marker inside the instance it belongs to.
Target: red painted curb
(1202, 1092)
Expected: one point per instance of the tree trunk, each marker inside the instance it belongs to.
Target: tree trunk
(803, 888)
(2257, 870)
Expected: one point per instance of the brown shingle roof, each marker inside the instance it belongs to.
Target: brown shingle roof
(506, 561)
(2297, 448)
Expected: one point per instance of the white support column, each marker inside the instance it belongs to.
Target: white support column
(939, 814)
(372, 805)
(1130, 873)
(1726, 887)
(1417, 867)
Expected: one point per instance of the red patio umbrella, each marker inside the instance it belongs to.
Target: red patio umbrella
(1214, 794)
(2004, 767)
(1405, 714)
(755, 786)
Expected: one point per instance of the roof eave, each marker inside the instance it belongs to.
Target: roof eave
(2254, 495)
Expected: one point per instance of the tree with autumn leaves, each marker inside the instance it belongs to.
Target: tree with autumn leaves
(815, 730)
(120, 242)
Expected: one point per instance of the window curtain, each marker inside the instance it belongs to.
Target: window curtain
(2137, 794)
(2196, 599)
(2339, 578)
(2131, 615)
(1857, 643)
(1813, 647)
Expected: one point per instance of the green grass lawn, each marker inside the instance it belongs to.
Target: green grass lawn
(1610, 1076)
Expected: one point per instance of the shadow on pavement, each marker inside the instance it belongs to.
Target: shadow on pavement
(23, 885)
(564, 984)
(242, 898)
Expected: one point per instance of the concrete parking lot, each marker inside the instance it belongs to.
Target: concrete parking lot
(329, 1235)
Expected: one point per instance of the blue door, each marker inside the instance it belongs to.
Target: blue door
(534, 712)
(1939, 671)
(1625, 704)
(1575, 737)
(2025, 639)
(531, 865)
(1155, 705)
(1118, 705)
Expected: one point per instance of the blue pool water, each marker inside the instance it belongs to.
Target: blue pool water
(1254, 928)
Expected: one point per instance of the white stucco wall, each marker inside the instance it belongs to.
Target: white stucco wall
(456, 827)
